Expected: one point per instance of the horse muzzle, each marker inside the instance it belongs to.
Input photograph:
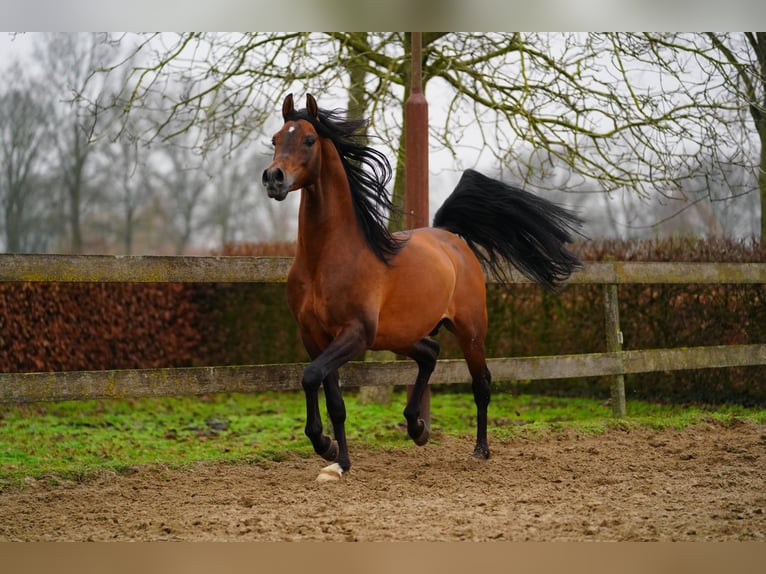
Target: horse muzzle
(276, 184)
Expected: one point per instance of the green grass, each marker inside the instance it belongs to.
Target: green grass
(73, 440)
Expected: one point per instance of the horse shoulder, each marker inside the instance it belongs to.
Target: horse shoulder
(299, 286)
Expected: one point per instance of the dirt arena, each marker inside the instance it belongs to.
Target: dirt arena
(707, 482)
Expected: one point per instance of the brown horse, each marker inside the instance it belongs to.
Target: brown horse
(354, 286)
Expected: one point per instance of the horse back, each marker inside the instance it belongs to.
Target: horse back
(434, 278)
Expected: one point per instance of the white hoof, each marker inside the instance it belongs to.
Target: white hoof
(331, 472)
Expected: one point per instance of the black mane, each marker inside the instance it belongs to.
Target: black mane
(368, 173)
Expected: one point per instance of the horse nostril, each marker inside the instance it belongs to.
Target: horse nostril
(275, 175)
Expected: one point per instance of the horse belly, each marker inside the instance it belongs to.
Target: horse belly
(417, 297)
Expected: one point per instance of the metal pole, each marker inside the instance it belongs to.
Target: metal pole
(416, 164)
(416, 142)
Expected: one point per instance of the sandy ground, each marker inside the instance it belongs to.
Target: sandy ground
(707, 482)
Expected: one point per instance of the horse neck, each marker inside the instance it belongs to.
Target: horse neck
(326, 221)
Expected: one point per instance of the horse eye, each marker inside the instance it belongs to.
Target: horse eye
(309, 141)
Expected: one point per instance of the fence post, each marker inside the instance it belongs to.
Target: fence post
(614, 345)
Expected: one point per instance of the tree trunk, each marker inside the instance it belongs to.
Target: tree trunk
(357, 106)
(75, 185)
(762, 183)
(74, 217)
(759, 116)
(13, 214)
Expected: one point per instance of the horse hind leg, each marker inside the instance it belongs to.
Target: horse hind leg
(481, 386)
(424, 352)
(472, 345)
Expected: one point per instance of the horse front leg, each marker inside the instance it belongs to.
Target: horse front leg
(323, 445)
(336, 409)
(324, 368)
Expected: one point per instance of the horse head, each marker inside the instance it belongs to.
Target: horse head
(296, 155)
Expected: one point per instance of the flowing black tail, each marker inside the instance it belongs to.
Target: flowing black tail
(501, 222)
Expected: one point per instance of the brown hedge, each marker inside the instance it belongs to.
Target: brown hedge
(95, 326)
(80, 326)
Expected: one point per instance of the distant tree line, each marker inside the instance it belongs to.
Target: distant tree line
(73, 182)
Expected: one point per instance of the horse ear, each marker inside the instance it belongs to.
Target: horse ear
(311, 106)
(288, 106)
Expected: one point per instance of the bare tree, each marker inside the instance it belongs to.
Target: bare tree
(625, 111)
(178, 181)
(24, 122)
(228, 201)
(236, 207)
(125, 169)
(708, 152)
(67, 61)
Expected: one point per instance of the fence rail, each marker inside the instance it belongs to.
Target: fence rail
(245, 269)
(615, 363)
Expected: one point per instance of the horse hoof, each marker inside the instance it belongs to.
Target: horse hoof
(480, 453)
(330, 473)
(422, 439)
(332, 451)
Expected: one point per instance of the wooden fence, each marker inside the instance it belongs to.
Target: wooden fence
(614, 363)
